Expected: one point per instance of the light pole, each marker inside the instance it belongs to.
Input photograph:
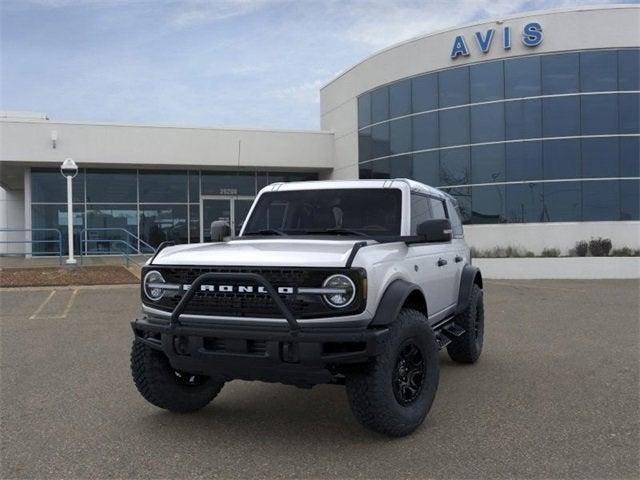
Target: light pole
(69, 169)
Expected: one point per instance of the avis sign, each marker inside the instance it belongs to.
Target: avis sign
(531, 37)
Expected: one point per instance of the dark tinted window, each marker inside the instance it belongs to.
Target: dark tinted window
(105, 186)
(561, 159)
(380, 104)
(487, 81)
(630, 157)
(454, 87)
(629, 69)
(522, 77)
(159, 223)
(454, 166)
(364, 110)
(487, 123)
(54, 216)
(523, 119)
(561, 116)
(462, 196)
(562, 201)
(523, 161)
(401, 167)
(163, 187)
(425, 131)
(454, 127)
(487, 164)
(600, 201)
(116, 218)
(50, 186)
(598, 71)
(194, 223)
(380, 140)
(630, 200)
(524, 203)
(365, 145)
(420, 211)
(400, 135)
(560, 73)
(400, 98)
(487, 204)
(380, 168)
(373, 211)
(599, 114)
(629, 112)
(194, 186)
(425, 92)
(426, 168)
(600, 157)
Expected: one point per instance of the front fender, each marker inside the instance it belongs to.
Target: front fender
(392, 301)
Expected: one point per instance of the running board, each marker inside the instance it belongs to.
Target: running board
(446, 332)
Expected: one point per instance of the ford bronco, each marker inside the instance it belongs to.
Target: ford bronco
(355, 283)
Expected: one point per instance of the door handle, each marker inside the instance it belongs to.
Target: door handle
(442, 262)
(458, 258)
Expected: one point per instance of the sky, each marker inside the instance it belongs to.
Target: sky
(217, 63)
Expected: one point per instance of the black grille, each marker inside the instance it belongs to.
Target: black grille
(257, 304)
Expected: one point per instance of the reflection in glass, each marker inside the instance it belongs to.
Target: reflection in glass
(380, 104)
(400, 98)
(194, 223)
(560, 73)
(454, 127)
(630, 200)
(629, 69)
(380, 140)
(522, 77)
(380, 168)
(487, 81)
(600, 157)
(426, 168)
(463, 197)
(159, 223)
(365, 146)
(630, 157)
(108, 186)
(599, 71)
(523, 161)
(163, 186)
(454, 166)
(599, 114)
(487, 204)
(55, 216)
(194, 186)
(561, 116)
(524, 203)
(523, 119)
(401, 167)
(400, 135)
(116, 219)
(600, 201)
(424, 92)
(48, 185)
(562, 201)
(487, 123)
(629, 112)
(487, 164)
(561, 159)
(454, 87)
(425, 131)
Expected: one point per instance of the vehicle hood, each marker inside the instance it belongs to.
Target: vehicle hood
(285, 252)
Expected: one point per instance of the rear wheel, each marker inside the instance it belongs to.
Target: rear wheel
(163, 386)
(393, 393)
(468, 347)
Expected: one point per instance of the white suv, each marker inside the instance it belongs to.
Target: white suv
(358, 283)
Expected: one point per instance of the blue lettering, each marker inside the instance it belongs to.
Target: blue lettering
(532, 34)
(459, 47)
(485, 42)
(506, 38)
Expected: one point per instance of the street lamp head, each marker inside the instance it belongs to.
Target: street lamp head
(69, 168)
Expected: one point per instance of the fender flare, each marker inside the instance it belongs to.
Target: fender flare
(470, 275)
(392, 301)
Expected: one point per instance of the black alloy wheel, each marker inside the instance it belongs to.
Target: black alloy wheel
(409, 373)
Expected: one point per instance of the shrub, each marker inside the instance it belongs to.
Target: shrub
(600, 247)
(625, 252)
(581, 248)
(550, 252)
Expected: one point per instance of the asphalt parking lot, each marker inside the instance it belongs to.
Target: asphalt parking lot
(555, 395)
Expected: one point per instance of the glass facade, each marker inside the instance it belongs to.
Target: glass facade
(113, 207)
(542, 138)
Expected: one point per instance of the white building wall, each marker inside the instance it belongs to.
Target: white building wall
(11, 217)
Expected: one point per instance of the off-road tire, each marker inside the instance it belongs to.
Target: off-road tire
(370, 387)
(468, 347)
(158, 383)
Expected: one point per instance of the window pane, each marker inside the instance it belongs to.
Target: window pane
(104, 186)
(629, 112)
(365, 145)
(380, 168)
(364, 110)
(562, 201)
(487, 164)
(600, 157)
(219, 183)
(55, 216)
(598, 71)
(380, 104)
(437, 208)
(522, 77)
(560, 73)
(400, 135)
(629, 69)
(400, 98)
(561, 116)
(630, 200)
(426, 168)
(163, 187)
(454, 217)
(630, 157)
(454, 127)
(600, 201)
(454, 166)
(380, 140)
(523, 161)
(463, 198)
(487, 204)
(454, 87)
(48, 185)
(487, 81)
(420, 211)
(194, 186)
(561, 159)
(599, 114)
(194, 223)
(107, 226)
(162, 223)
(425, 131)
(524, 203)
(424, 92)
(487, 123)
(245, 180)
(401, 167)
(523, 119)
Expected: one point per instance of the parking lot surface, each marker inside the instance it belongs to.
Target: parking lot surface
(555, 395)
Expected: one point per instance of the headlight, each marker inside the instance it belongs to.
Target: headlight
(152, 285)
(344, 291)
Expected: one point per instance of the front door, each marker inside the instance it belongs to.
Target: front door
(232, 210)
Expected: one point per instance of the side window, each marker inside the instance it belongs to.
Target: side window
(437, 208)
(420, 211)
(454, 217)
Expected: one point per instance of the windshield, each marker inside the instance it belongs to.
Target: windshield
(360, 212)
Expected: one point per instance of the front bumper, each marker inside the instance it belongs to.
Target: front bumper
(250, 353)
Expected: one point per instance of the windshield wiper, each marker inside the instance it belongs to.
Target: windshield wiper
(266, 231)
(338, 231)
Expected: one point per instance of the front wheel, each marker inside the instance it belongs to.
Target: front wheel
(163, 386)
(393, 393)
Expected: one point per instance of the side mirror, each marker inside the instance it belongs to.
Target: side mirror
(436, 230)
(219, 230)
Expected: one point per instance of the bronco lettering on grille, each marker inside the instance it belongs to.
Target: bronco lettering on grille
(240, 289)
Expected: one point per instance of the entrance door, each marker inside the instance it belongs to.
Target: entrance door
(232, 210)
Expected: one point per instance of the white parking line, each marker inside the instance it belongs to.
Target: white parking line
(42, 305)
(36, 315)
